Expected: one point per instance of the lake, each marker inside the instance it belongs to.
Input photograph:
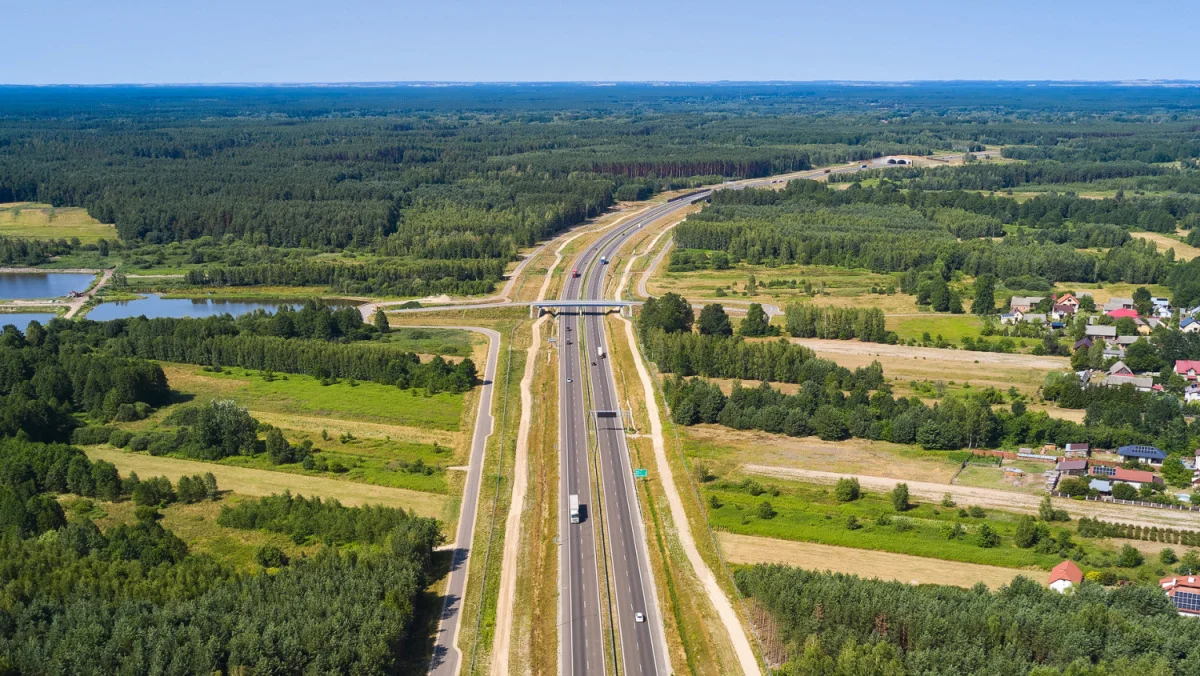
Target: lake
(26, 285)
(22, 319)
(154, 306)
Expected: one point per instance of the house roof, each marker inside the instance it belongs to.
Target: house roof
(1025, 300)
(1101, 485)
(1186, 322)
(1069, 465)
(1100, 330)
(1140, 476)
(1068, 309)
(1122, 312)
(1141, 451)
(1182, 366)
(1067, 570)
(1086, 341)
(1139, 382)
(1119, 367)
(1127, 340)
(1034, 316)
(1077, 447)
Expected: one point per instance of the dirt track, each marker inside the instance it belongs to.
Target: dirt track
(998, 499)
(866, 563)
(904, 351)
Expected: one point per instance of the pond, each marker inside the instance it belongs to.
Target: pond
(26, 285)
(155, 306)
(22, 319)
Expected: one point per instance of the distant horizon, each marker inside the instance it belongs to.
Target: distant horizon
(471, 41)
(1139, 82)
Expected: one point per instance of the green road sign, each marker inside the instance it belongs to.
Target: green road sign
(639, 474)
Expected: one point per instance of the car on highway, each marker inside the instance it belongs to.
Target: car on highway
(569, 380)
(638, 617)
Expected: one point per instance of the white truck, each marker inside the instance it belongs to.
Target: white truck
(573, 508)
(600, 351)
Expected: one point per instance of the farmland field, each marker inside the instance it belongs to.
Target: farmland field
(42, 221)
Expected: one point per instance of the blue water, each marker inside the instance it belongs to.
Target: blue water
(26, 285)
(22, 319)
(154, 306)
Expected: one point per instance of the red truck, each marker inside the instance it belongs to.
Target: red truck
(575, 272)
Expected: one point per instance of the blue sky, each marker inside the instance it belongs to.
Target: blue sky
(136, 41)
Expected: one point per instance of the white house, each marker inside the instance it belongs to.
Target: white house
(1065, 576)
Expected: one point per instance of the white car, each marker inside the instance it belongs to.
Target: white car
(638, 617)
(568, 380)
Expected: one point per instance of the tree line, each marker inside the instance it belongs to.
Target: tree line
(834, 623)
(464, 277)
(302, 518)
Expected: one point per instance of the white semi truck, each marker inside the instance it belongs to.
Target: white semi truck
(573, 508)
(600, 351)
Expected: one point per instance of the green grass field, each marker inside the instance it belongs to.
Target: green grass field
(953, 328)
(304, 395)
(434, 341)
(810, 513)
(42, 221)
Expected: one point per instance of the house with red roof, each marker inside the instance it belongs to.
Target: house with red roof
(1064, 576)
(1136, 477)
(1188, 368)
(1184, 592)
(1122, 312)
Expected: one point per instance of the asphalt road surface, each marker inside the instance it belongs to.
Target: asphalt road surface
(585, 559)
(446, 655)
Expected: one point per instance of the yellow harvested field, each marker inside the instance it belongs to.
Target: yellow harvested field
(1183, 252)
(42, 221)
(259, 482)
(360, 429)
(750, 549)
(727, 449)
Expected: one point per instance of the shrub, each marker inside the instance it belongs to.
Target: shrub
(976, 512)
(119, 438)
(900, 498)
(852, 523)
(140, 442)
(766, 511)
(86, 436)
(270, 556)
(988, 537)
(847, 490)
(1129, 557)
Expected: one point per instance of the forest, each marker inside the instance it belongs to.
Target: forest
(832, 623)
(317, 340)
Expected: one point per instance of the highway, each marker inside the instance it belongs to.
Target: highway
(447, 657)
(583, 563)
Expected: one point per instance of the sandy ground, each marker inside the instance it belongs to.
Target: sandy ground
(749, 549)
(880, 350)
(260, 482)
(729, 617)
(512, 525)
(989, 498)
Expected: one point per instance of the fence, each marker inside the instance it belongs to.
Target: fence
(1135, 503)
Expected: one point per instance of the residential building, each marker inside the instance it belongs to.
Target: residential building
(1140, 383)
(1144, 454)
(1083, 343)
(1188, 368)
(1120, 313)
(1101, 486)
(1191, 393)
(1065, 576)
(1024, 303)
(1061, 311)
(1034, 317)
(1067, 300)
(1011, 317)
(1120, 369)
(1189, 325)
(1072, 467)
(1100, 331)
(1135, 477)
(1162, 307)
(1116, 303)
(1184, 592)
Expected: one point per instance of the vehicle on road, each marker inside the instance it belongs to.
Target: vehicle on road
(603, 260)
(827, 171)
(574, 272)
(573, 508)
(569, 380)
(600, 352)
(862, 166)
(638, 617)
(568, 341)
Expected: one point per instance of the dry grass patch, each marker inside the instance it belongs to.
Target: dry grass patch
(258, 482)
(725, 449)
(750, 549)
(1183, 252)
(902, 363)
